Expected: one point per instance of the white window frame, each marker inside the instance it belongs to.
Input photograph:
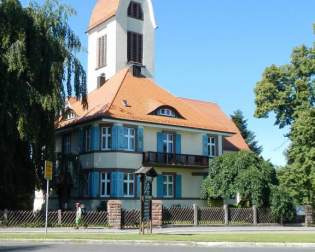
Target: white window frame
(105, 180)
(212, 146)
(106, 138)
(166, 112)
(168, 181)
(101, 51)
(131, 138)
(70, 115)
(169, 140)
(129, 179)
(87, 139)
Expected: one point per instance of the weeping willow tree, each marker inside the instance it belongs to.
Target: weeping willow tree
(39, 69)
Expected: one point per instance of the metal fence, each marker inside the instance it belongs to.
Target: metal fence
(55, 218)
(210, 216)
(216, 216)
(178, 215)
(130, 218)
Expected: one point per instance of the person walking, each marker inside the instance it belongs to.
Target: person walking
(78, 216)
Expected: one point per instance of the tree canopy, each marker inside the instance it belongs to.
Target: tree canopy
(38, 70)
(288, 91)
(249, 136)
(240, 172)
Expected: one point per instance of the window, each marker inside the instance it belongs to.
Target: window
(212, 147)
(101, 51)
(129, 181)
(87, 140)
(129, 135)
(166, 112)
(106, 138)
(69, 115)
(168, 143)
(135, 47)
(168, 186)
(135, 10)
(105, 184)
(67, 144)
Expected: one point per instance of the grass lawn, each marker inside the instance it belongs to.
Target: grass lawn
(213, 237)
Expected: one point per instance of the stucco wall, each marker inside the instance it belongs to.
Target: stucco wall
(109, 28)
(190, 184)
(111, 160)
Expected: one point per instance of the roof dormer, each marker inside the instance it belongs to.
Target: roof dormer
(167, 111)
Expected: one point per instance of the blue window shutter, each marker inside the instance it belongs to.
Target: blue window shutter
(160, 138)
(178, 144)
(138, 185)
(178, 189)
(121, 139)
(120, 184)
(95, 138)
(116, 136)
(81, 139)
(140, 139)
(205, 145)
(94, 184)
(114, 184)
(159, 183)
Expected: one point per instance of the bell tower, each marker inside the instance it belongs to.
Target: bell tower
(120, 33)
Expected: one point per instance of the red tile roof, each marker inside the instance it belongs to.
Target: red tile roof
(144, 96)
(103, 10)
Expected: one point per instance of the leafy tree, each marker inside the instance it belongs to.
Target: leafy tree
(249, 136)
(289, 92)
(38, 69)
(282, 206)
(240, 172)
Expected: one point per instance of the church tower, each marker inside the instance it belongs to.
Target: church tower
(120, 33)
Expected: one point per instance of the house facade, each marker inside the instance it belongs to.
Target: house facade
(131, 122)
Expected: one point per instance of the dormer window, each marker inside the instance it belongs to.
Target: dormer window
(135, 10)
(166, 112)
(69, 115)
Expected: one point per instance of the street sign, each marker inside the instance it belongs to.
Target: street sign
(48, 170)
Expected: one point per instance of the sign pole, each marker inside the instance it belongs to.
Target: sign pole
(47, 198)
(48, 177)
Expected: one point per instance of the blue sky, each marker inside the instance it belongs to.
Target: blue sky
(217, 50)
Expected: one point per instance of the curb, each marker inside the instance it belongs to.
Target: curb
(163, 243)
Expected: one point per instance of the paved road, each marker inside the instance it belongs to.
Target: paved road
(131, 248)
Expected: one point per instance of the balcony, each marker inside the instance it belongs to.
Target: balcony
(177, 160)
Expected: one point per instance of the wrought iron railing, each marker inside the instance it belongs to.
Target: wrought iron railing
(172, 159)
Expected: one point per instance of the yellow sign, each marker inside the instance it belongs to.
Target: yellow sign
(48, 170)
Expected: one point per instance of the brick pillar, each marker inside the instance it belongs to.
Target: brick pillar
(114, 213)
(308, 216)
(157, 213)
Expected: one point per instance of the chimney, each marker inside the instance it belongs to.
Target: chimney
(137, 69)
(101, 80)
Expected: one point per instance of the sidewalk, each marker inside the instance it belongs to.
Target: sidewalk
(170, 230)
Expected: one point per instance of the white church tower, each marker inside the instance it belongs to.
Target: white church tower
(120, 33)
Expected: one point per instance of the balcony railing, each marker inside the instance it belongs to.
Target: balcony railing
(171, 159)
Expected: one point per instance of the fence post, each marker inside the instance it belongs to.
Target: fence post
(226, 214)
(114, 213)
(59, 217)
(308, 215)
(157, 213)
(255, 216)
(5, 217)
(195, 214)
